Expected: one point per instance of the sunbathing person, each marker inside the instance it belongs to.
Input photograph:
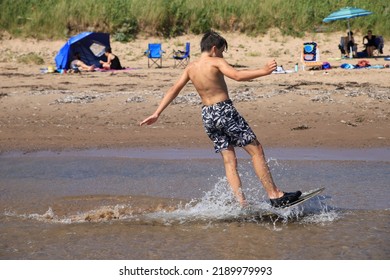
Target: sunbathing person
(112, 60)
(78, 65)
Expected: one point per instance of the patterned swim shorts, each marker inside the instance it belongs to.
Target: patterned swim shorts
(225, 126)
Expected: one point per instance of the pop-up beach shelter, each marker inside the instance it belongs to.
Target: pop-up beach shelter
(89, 45)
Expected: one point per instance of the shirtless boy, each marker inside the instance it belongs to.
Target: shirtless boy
(223, 124)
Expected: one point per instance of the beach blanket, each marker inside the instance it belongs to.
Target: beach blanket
(362, 66)
(115, 70)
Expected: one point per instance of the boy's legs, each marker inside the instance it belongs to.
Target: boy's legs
(261, 168)
(230, 163)
(277, 197)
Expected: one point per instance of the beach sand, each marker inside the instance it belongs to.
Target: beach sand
(332, 108)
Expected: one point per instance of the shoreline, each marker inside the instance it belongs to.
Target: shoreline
(302, 154)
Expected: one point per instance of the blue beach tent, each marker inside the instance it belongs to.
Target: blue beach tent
(89, 45)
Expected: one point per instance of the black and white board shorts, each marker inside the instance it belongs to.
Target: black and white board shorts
(225, 126)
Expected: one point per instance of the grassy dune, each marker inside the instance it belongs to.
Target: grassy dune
(124, 19)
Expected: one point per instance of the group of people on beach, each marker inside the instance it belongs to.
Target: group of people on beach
(349, 47)
(112, 62)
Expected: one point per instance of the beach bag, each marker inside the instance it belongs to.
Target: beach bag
(326, 65)
(363, 63)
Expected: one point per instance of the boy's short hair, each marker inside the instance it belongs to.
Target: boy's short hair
(107, 49)
(210, 39)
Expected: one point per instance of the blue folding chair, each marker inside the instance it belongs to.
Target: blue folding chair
(379, 45)
(154, 54)
(182, 58)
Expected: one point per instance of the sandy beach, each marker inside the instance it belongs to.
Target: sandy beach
(332, 108)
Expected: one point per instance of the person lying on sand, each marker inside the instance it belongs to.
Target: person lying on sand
(222, 122)
(78, 65)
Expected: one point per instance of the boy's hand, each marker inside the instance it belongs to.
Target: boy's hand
(271, 66)
(149, 120)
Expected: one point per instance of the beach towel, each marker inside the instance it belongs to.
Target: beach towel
(347, 66)
(114, 70)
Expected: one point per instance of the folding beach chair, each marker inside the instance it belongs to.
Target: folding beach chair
(311, 55)
(154, 54)
(343, 46)
(182, 58)
(379, 45)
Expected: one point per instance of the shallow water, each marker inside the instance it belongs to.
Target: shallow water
(175, 204)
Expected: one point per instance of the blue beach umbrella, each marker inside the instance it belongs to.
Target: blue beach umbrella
(347, 13)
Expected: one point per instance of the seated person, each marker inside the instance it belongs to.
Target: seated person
(369, 42)
(112, 60)
(351, 44)
(348, 45)
(78, 65)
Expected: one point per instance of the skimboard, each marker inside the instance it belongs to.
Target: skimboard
(273, 211)
(303, 198)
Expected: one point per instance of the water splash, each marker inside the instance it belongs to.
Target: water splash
(101, 214)
(216, 205)
(321, 218)
(219, 205)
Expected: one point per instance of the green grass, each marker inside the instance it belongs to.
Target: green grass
(125, 19)
(30, 58)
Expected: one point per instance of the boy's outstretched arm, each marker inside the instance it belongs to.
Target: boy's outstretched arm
(245, 75)
(168, 98)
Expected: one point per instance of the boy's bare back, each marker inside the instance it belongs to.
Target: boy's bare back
(208, 72)
(208, 80)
